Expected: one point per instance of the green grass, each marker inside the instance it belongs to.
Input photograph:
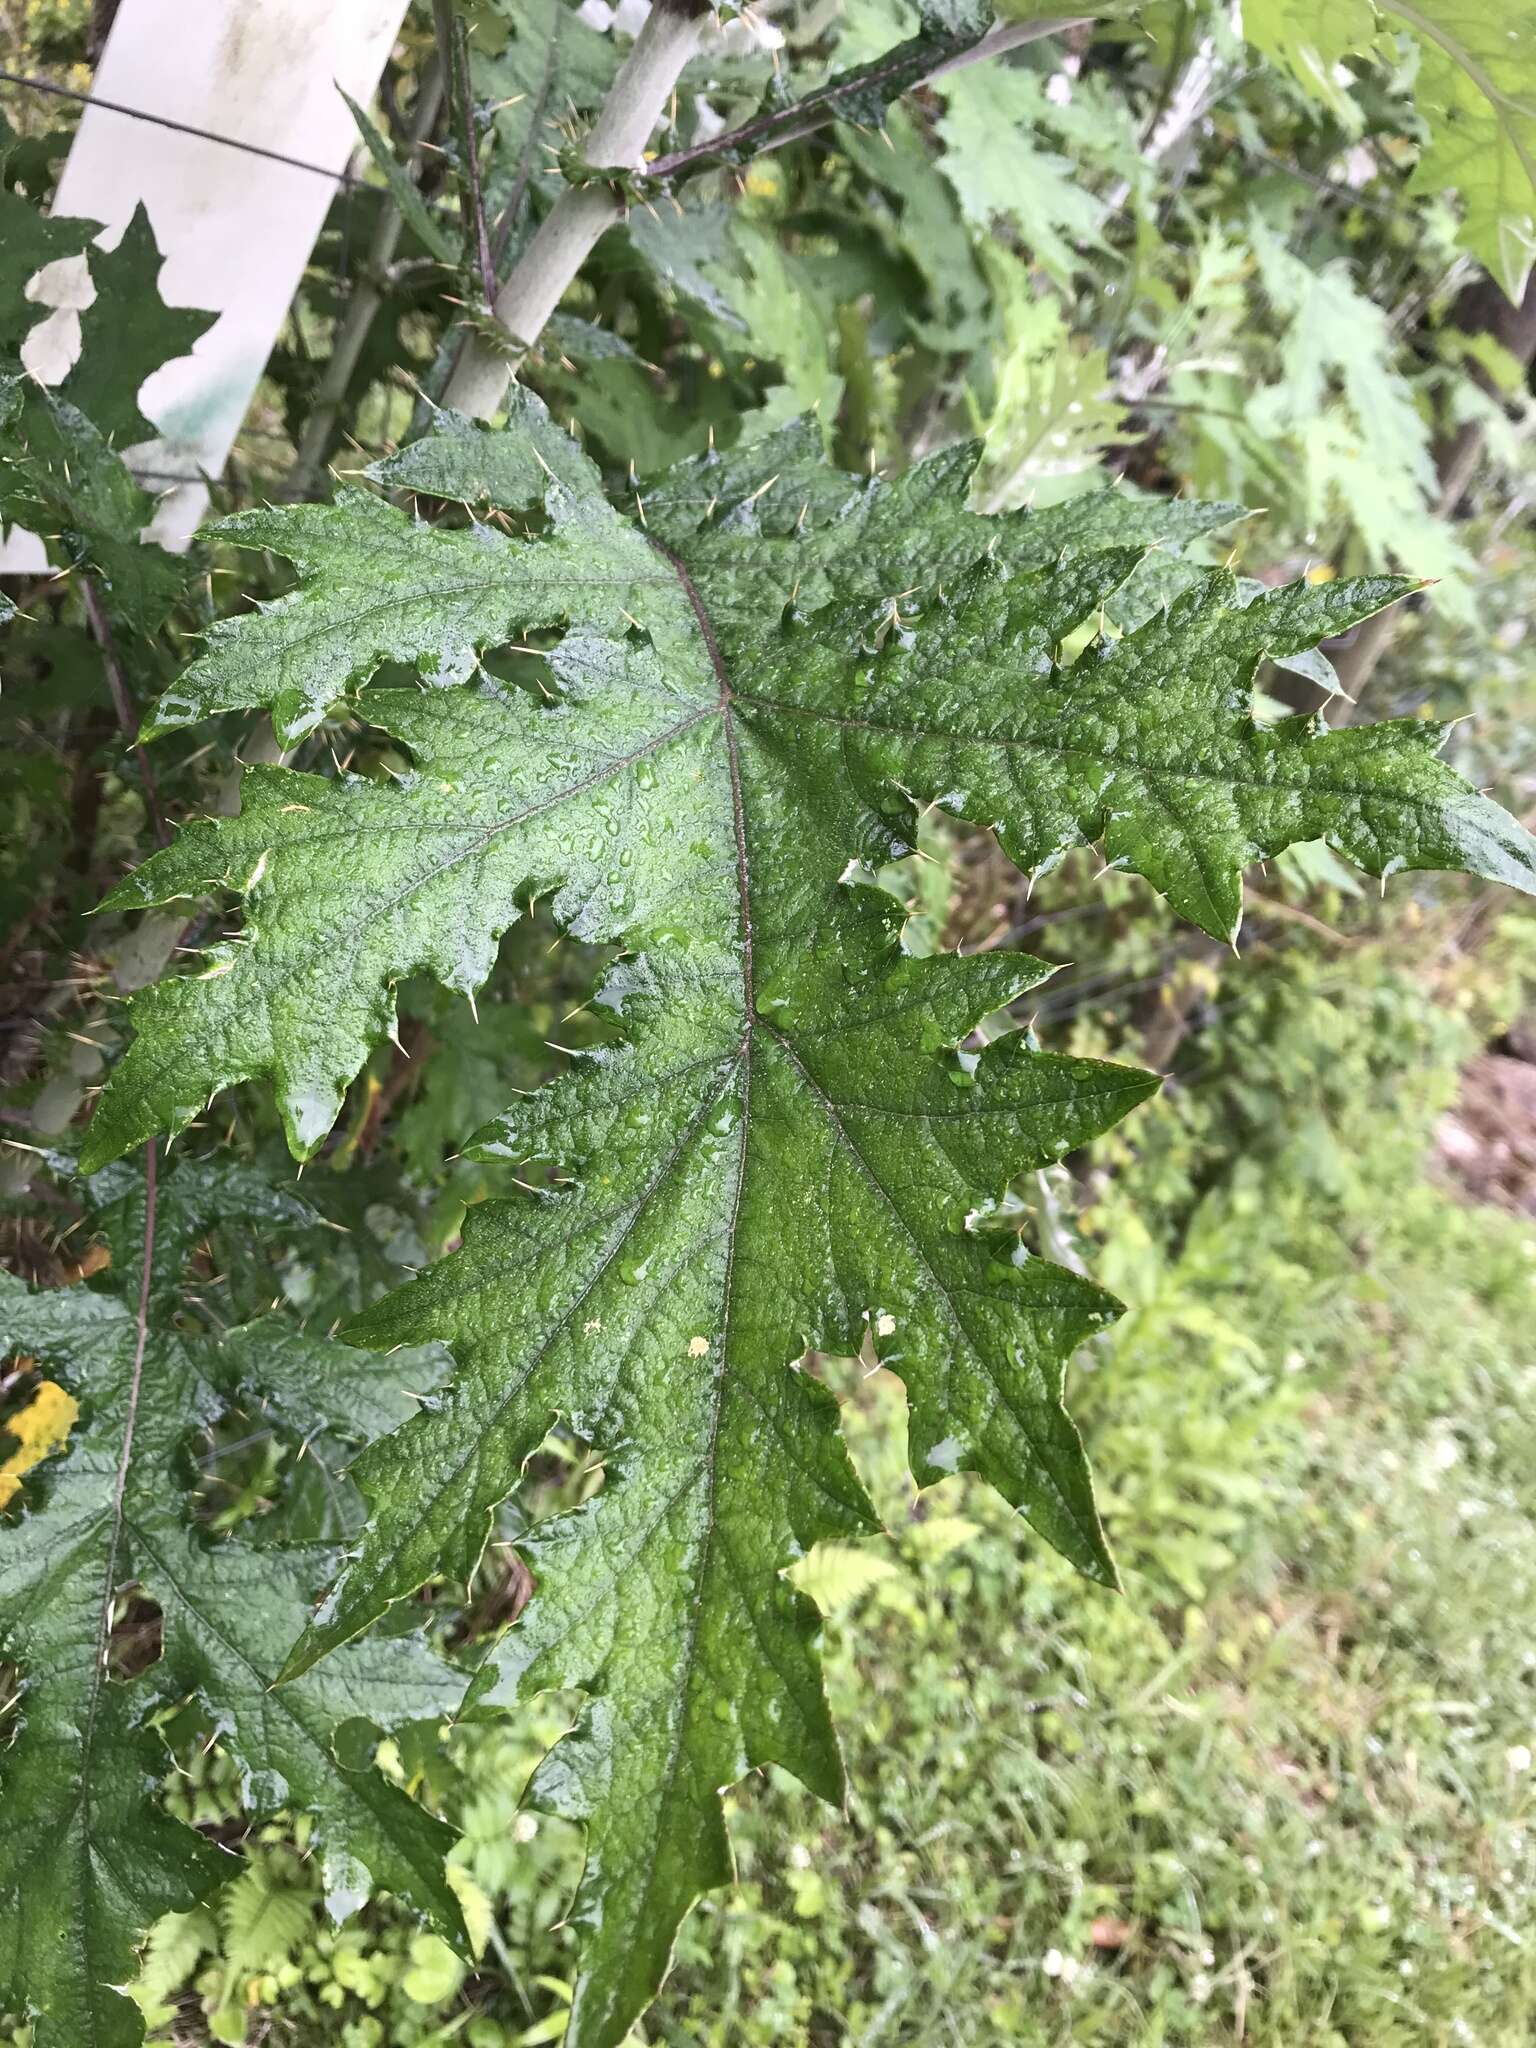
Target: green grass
(1286, 1802)
(1279, 1791)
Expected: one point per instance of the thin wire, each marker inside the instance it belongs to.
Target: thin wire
(172, 476)
(86, 99)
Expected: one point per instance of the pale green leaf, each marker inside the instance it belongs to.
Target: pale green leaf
(834, 1575)
(264, 1919)
(1477, 89)
(999, 168)
(1310, 40)
(1053, 416)
(1342, 394)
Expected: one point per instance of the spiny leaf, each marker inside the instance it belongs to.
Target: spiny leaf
(786, 1152)
(773, 524)
(368, 594)
(126, 334)
(88, 1860)
(199, 1196)
(59, 477)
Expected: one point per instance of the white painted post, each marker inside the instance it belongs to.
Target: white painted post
(236, 229)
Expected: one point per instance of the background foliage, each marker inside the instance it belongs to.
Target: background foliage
(1280, 1791)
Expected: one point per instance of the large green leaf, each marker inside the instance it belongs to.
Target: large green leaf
(790, 1149)
(88, 1860)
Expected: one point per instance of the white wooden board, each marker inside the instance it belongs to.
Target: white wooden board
(236, 229)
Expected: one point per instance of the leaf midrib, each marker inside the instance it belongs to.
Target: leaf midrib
(729, 697)
(681, 1727)
(1224, 779)
(117, 1512)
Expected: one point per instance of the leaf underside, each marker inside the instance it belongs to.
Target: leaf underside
(746, 703)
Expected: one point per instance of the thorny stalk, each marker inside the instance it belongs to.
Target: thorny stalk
(123, 705)
(640, 95)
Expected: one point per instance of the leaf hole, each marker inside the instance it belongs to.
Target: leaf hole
(135, 1639)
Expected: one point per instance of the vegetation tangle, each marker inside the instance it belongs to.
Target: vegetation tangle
(697, 684)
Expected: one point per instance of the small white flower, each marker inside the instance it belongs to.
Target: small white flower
(1518, 1757)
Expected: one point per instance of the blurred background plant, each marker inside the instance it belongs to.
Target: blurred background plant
(1280, 1790)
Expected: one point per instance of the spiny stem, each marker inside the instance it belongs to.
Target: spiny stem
(639, 97)
(471, 145)
(913, 63)
(571, 228)
(123, 705)
(135, 1382)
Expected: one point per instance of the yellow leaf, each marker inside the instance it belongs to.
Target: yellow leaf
(40, 1429)
(479, 1913)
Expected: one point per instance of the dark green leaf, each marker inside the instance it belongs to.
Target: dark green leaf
(790, 1149)
(87, 1858)
(59, 477)
(434, 238)
(126, 334)
(29, 241)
